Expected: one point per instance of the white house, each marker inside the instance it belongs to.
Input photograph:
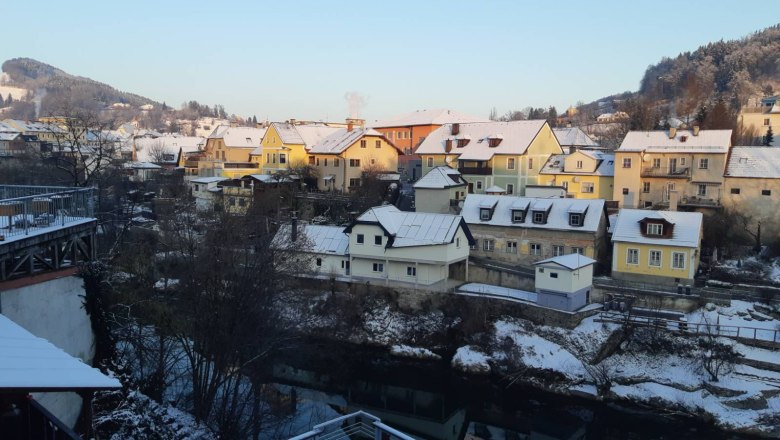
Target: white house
(389, 245)
(328, 247)
(440, 191)
(564, 282)
(206, 192)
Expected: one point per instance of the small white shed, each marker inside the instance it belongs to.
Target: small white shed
(564, 282)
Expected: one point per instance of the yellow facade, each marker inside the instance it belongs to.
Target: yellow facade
(343, 171)
(644, 271)
(758, 122)
(579, 177)
(278, 156)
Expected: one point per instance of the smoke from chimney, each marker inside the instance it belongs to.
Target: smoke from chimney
(39, 94)
(355, 103)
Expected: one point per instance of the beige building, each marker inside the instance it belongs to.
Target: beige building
(228, 152)
(663, 168)
(523, 230)
(752, 186)
(442, 191)
(761, 116)
(585, 174)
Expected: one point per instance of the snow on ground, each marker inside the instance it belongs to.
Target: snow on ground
(539, 352)
(166, 283)
(725, 320)
(502, 292)
(470, 359)
(753, 266)
(413, 352)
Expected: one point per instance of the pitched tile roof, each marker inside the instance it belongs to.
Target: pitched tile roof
(756, 162)
(687, 227)
(707, 141)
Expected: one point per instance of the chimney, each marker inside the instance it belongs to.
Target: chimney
(292, 121)
(448, 145)
(572, 149)
(672, 132)
(695, 130)
(294, 229)
(352, 122)
(350, 125)
(455, 129)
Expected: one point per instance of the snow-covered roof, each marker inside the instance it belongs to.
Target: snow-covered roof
(208, 179)
(141, 166)
(9, 136)
(756, 162)
(320, 238)
(558, 217)
(439, 116)
(146, 148)
(573, 136)
(239, 137)
(307, 135)
(6, 128)
(495, 189)
(686, 233)
(440, 178)
(412, 228)
(33, 126)
(29, 363)
(570, 261)
(605, 164)
(516, 137)
(269, 178)
(340, 140)
(707, 141)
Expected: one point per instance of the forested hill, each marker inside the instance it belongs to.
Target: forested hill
(733, 70)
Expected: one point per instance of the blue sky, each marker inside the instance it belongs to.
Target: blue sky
(286, 59)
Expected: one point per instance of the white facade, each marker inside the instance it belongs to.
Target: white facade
(564, 282)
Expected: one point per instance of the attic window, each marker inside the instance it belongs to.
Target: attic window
(575, 219)
(493, 142)
(248, 140)
(462, 142)
(655, 229)
(485, 214)
(683, 138)
(518, 216)
(539, 217)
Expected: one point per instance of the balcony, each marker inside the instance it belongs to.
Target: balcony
(234, 165)
(667, 172)
(479, 171)
(29, 210)
(31, 421)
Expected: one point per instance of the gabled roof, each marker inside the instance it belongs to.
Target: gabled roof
(439, 116)
(342, 139)
(239, 137)
(33, 126)
(557, 218)
(573, 136)
(320, 239)
(408, 229)
(171, 144)
(29, 363)
(605, 165)
(306, 135)
(707, 141)
(686, 233)
(6, 128)
(440, 178)
(755, 162)
(516, 137)
(570, 261)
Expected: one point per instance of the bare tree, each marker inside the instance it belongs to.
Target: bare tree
(715, 357)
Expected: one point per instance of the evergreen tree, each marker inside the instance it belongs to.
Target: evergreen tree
(254, 119)
(720, 118)
(1, 102)
(769, 137)
(552, 116)
(9, 100)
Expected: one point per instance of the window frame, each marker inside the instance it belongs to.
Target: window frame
(587, 188)
(510, 163)
(626, 162)
(378, 267)
(360, 239)
(511, 247)
(535, 249)
(379, 239)
(650, 229)
(650, 260)
(704, 163)
(488, 245)
(682, 256)
(632, 261)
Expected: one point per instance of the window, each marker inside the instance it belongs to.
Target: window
(632, 256)
(557, 250)
(575, 219)
(484, 214)
(766, 192)
(530, 163)
(474, 246)
(354, 182)
(565, 184)
(510, 163)
(734, 190)
(373, 161)
(766, 121)
(579, 164)
(702, 190)
(488, 245)
(511, 247)
(273, 158)
(648, 204)
(311, 160)
(625, 191)
(655, 229)
(626, 162)
(682, 161)
(360, 239)
(242, 202)
(197, 187)
(283, 159)
(678, 260)
(587, 187)
(655, 259)
(646, 187)
(510, 189)
(535, 249)
(577, 250)
(389, 135)
(430, 162)
(378, 240)
(704, 163)
(232, 201)
(518, 216)
(457, 242)
(326, 162)
(411, 271)
(657, 163)
(318, 161)
(378, 144)
(553, 274)
(479, 184)
(362, 143)
(319, 261)
(379, 267)
(354, 163)
(538, 217)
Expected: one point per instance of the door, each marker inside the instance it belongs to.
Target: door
(672, 165)
(471, 188)
(668, 190)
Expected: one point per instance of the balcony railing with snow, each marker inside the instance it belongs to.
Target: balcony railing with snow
(358, 425)
(27, 210)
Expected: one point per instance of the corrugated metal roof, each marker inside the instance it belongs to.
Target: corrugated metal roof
(413, 228)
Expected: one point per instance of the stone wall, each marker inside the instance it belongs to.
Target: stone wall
(650, 300)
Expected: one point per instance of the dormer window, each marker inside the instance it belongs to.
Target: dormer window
(462, 142)
(539, 217)
(655, 229)
(493, 142)
(485, 214)
(575, 219)
(518, 216)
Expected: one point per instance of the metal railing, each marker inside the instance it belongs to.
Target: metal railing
(481, 171)
(31, 421)
(358, 425)
(675, 172)
(25, 210)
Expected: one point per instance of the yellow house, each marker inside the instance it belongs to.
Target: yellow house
(661, 247)
(228, 151)
(342, 158)
(676, 167)
(752, 186)
(508, 155)
(285, 144)
(585, 174)
(761, 117)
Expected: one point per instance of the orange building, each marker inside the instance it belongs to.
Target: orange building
(408, 131)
